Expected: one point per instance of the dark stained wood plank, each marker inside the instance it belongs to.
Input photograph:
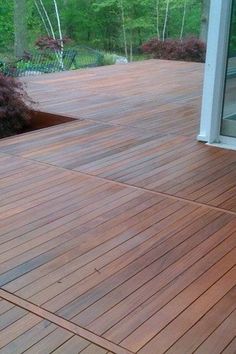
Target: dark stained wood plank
(162, 341)
(119, 222)
(11, 316)
(136, 132)
(174, 165)
(230, 349)
(206, 326)
(54, 324)
(93, 349)
(135, 309)
(218, 340)
(120, 293)
(97, 97)
(73, 346)
(94, 251)
(112, 249)
(31, 334)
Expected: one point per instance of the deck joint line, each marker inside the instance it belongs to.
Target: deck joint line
(63, 323)
(124, 184)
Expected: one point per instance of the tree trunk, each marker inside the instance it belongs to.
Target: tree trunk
(205, 20)
(183, 20)
(131, 48)
(166, 19)
(60, 33)
(47, 19)
(124, 28)
(20, 24)
(157, 19)
(42, 18)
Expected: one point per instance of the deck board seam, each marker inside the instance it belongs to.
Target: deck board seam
(134, 137)
(125, 184)
(45, 303)
(63, 323)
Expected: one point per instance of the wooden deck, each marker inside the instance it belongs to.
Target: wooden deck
(118, 230)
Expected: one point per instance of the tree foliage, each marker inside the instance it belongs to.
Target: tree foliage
(111, 25)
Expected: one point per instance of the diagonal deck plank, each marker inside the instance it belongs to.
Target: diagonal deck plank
(120, 223)
(83, 270)
(157, 93)
(176, 166)
(26, 332)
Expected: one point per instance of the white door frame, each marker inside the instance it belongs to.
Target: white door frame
(215, 67)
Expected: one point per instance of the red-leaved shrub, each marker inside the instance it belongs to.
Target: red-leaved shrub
(189, 49)
(44, 43)
(14, 112)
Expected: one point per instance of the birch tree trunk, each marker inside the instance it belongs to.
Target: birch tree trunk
(20, 24)
(123, 27)
(157, 18)
(183, 20)
(204, 20)
(166, 19)
(47, 19)
(49, 27)
(42, 18)
(131, 48)
(60, 33)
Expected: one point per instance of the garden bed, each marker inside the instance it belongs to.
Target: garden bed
(41, 120)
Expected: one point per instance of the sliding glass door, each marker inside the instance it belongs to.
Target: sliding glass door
(228, 123)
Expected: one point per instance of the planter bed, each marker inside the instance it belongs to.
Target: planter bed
(40, 120)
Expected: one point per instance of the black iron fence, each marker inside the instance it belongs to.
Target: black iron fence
(49, 61)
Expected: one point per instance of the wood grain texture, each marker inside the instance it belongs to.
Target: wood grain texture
(31, 334)
(137, 126)
(119, 224)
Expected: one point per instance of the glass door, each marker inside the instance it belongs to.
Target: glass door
(228, 122)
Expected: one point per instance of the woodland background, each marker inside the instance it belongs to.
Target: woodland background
(119, 26)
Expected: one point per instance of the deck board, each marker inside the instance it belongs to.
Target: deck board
(206, 326)
(118, 223)
(155, 91)
(28, 333)
(176, 166)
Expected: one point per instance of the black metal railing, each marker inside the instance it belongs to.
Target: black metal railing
(49, 61)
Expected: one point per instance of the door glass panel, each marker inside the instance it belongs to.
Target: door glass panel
(228, 124)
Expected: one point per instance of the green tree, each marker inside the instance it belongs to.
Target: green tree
(110, 25)
(6, 25)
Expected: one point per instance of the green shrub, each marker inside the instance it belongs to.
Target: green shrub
(109, 59)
